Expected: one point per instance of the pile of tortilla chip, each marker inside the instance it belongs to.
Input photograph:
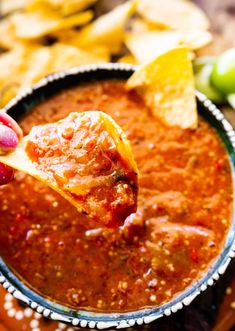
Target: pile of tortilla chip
(39, 37)
(162, 25)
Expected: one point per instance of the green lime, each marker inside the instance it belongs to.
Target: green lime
(223, 74)
(202, 79)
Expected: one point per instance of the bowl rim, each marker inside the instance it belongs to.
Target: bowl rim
(82, 318)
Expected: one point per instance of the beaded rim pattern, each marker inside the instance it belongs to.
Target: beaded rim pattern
(144, 316)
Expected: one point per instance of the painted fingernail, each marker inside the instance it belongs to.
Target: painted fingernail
(8, 139)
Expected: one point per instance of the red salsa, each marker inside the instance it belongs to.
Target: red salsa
(184, 210)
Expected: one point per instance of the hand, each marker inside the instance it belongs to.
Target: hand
(10, 134)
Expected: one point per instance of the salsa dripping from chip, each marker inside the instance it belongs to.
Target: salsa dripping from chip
(86, 158)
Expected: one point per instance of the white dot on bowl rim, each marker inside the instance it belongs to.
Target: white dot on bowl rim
(83, 323)
(91, 324)
(33, 304)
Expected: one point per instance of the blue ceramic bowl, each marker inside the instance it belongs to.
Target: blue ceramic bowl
(48, 86)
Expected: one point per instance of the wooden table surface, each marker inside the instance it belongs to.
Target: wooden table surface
(215, 309)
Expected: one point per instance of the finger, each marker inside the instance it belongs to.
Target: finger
(8, 139)
(6, 174)
(6, 120)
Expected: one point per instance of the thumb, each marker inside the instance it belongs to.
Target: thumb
(8, 121)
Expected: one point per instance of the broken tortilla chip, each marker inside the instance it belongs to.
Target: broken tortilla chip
(167, 86)
(176, 14)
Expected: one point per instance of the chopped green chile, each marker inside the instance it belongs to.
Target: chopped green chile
(183, 216)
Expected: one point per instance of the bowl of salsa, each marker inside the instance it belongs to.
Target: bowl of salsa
(179, 242)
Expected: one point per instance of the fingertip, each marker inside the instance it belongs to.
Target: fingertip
(8, 139)
(8, 121)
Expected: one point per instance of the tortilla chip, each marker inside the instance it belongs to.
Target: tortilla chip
(66, 56)
(38, 24)
(7, 93)
(176, 14)
(8, 39)
(107, 30)
(12, 65)
(42, 5)
(56, 58)
(70, 37)
(8, 6)
(42, 56)
(128, 58)
(196, 39)
(102, 53)
(167, 85)
(139, 25)
(146, 46)
(67, 7)
(18, 69)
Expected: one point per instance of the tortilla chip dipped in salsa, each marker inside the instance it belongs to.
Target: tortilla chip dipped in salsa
(167, 86)
(86, 158)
